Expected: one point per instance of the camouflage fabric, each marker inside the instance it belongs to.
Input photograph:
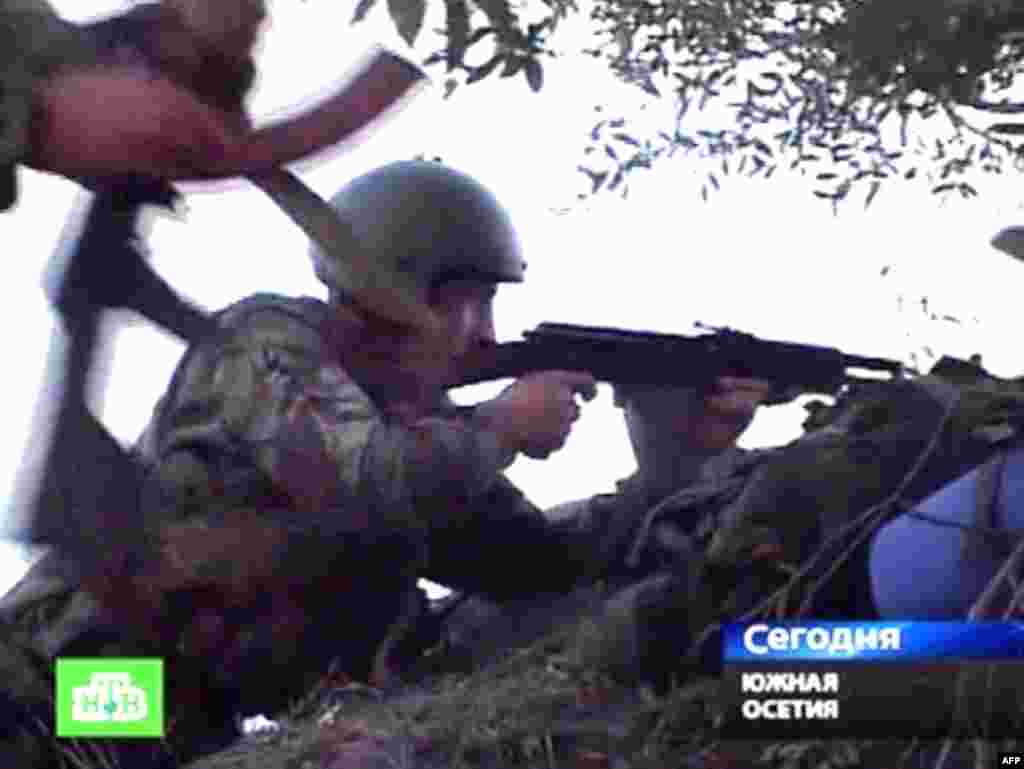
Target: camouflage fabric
(33, 42)
(781, 507)
(474, 628)
(613, 521)
(288, 513)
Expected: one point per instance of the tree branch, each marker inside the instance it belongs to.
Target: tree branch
(1000, 108)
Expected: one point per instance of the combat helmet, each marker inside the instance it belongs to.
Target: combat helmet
(420, 223)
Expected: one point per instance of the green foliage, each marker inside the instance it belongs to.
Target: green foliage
(837, 87)
(840, 89)
(472, 24)
(408, 16)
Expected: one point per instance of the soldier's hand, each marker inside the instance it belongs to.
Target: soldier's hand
(728, 411)
(122, 120)
(535, 414)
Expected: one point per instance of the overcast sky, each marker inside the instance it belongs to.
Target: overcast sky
(765, 257)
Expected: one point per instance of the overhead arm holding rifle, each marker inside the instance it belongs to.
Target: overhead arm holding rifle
(647, 359)
(82, 489)
(85, 487)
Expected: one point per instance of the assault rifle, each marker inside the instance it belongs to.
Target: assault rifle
(648, 359)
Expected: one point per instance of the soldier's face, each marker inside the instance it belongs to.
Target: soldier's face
(465, 308)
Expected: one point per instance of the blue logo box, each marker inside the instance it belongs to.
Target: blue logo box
(872, 641)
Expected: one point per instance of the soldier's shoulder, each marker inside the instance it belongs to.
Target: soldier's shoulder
(265, 301)
(274, 312)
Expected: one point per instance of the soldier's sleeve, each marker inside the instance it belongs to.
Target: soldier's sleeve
(508, 550)
(568, 513)
(34, 41)
(268, 387)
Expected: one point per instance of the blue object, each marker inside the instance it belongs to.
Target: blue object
(919, 569)
(897, 641)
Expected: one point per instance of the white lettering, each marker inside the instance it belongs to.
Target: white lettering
(751, 710)
(822, 709)
(842, 641)
(752, 682)
(889, 638)
(865, 638)
(818, 639)
(751, 644)
(778, 639)
(786, 710)
(759, 639)
(789, 683)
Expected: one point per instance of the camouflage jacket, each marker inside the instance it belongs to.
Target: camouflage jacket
(34, 41)
(289, 513)
(615, 521)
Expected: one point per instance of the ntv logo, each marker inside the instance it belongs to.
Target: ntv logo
(110, 697)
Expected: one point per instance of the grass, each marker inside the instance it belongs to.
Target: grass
(523, 711)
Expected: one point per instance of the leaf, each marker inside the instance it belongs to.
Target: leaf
(714, 182)
(966, 190)
(512, 65)
(534, 75)
(479, 34)
(910, 174)
(610, 152)
(875, 187)
(363, 7)
(774, 78)
(1010, 129)
(943, 188)
(456, 31)
(499, 14)
(626, 139)
(596, 178)
(408, 17)
(479, 73)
